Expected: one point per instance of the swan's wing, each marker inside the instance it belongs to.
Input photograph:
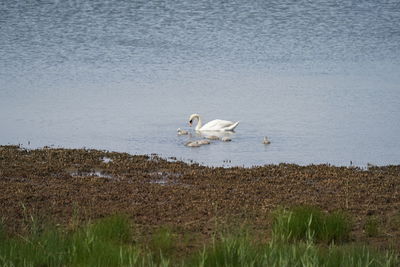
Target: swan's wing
(216, 125)
(232, 127)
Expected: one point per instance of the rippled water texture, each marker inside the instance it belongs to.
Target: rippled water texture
(321, 79)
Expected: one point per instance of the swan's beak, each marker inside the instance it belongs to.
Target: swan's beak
(190, 123)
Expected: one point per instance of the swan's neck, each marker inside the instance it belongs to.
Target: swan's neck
(199, 123)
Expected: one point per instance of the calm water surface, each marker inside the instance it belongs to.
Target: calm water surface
(320, 79)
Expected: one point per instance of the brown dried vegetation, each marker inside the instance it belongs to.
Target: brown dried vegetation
(193, 199)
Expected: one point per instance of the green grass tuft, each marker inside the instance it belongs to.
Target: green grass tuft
(241, 252)
(116, 228)
(229, 251)
(163, 242)
(109, 242)
(337, 227)
(371, 227)
(103, 243)
(309, 223)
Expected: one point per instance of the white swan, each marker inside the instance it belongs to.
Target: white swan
(215, 125)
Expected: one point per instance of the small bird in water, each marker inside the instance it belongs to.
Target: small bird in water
(226, 139)
(182, 132)
(266, 141)
(203, 142)
(212, 137)
(197, 143)
(193, 144)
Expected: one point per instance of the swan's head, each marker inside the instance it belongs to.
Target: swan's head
(192, 117)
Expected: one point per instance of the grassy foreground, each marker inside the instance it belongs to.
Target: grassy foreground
(192, 215)
(62, 184)
(301, 236)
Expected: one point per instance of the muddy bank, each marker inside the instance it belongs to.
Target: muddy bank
(64, 185)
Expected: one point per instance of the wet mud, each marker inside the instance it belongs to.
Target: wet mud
(66, 184)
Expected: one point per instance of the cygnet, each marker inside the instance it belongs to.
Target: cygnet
(192, 144)
(203, 142)
(266, 141)
(226, 139)
(182, 132)
(212, 137)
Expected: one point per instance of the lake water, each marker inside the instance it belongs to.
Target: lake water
(321, 80)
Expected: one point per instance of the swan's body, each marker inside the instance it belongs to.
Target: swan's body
(215, 125)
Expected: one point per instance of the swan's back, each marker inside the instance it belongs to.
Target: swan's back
(219, 125)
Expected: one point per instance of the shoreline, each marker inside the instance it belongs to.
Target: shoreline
(223, 164)
(62, 183)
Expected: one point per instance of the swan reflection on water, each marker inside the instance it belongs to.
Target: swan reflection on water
(212, 135)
